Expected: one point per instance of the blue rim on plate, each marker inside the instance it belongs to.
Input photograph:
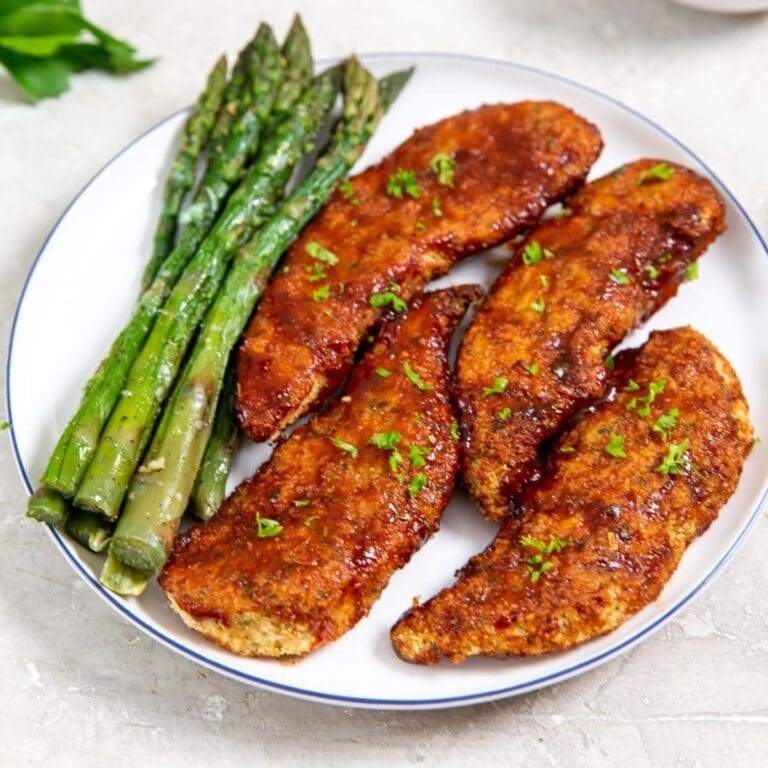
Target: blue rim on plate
(474, 698)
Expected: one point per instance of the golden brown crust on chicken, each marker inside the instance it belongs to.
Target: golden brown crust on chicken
(511, 161)
(626, 522)
(349, 521)
(547, 327)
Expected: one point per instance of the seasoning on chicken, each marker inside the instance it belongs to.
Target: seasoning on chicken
(454, 188)
(627, 488)
(538, 348)
(300, 552)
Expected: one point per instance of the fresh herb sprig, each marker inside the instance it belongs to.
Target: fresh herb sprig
(43, 42)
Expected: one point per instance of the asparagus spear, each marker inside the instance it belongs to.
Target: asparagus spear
(155, 503)
(47, 507)
(391, 85)
(91, 530)
(155, 367)
(77, 444)
(121, 578)
(236, 93)
(231, 152)
(298, 63)
(181, 177)
(211, 482)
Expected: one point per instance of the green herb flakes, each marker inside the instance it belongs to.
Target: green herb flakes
(267, 528)
(414, 377)
(443, 166)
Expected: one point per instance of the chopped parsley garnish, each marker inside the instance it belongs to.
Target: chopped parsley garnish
(653, 271)
(692, 271)
(620, 171)
(267, 528)
(436, 209)
(316, 273)
(416, 454)
(538, 305)
(348, 192)
(619, 276)
(660, 171)
(615, 447)
(675, 462)
(533, 253)
(383, 372)
(533, 368)
(654, 388)
(419, 225)
(544, 280)
(567, 449)
(386, 440)
(345, 446)
(505, 413)
(664, 259)
(414, 377)
(664, 424)
(309, 520)
(756, 441)
(301, 502)
(443, 166)
(419, 481)
(402, 181)
(499, 385)
(632, 386)
(537, 564)
(5, 425)
(321, 293)
(610, 362)
(316, 251)
(563, 213)
(454, 430)
(379, 300)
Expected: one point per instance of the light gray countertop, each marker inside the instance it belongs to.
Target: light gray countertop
(83, 687)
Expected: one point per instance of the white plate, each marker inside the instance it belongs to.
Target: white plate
(85, 280)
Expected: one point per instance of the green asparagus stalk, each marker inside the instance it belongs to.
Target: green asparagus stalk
(48, 507)
(122, 579)
(391, 85)
(232, 152)
(156, 502)
(76, 447)
(91, 530)
(297, 55)
(156, 366)
(211, 482)
(237, 93)
(181, 177)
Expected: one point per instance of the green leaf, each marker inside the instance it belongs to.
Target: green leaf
(41, 41)
(43, 45)
(43, 19)
(80, 56)
(40, 78)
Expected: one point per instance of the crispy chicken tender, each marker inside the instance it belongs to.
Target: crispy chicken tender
(454, 188)
(356, 491)
(577, 285)
(626, 490)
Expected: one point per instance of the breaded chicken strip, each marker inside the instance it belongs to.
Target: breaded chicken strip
(577, 285)
(625, 491)
(300, 552)
(454, 188)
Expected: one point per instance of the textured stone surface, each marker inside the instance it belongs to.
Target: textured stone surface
(80, 684)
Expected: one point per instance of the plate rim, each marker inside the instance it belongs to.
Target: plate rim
(123, 606)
